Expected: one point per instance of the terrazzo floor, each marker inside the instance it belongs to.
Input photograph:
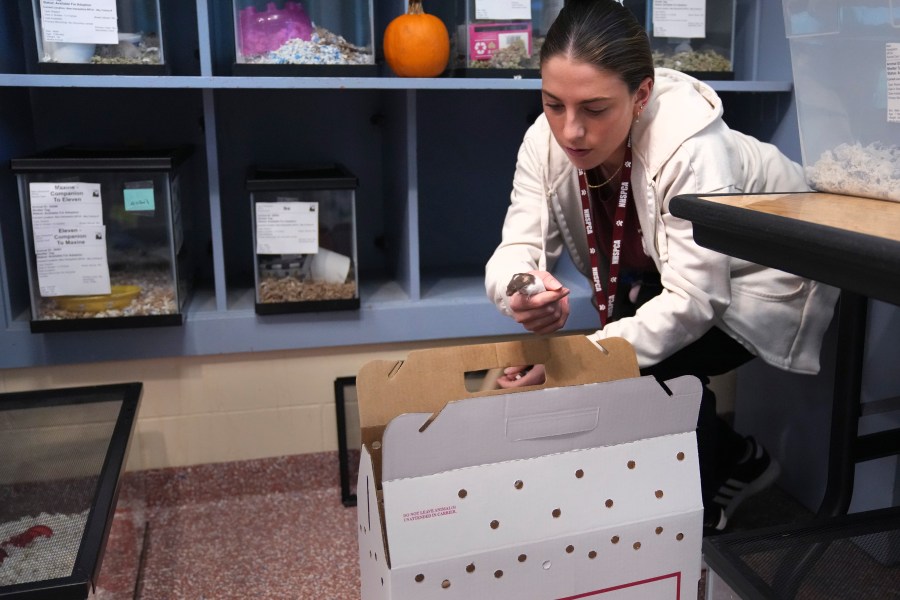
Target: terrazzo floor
(262, 529)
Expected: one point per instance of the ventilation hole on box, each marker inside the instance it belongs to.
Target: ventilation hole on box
(420, 578)
(609, 503)
(659, 493)
(614, 539)
(382, 582)
(579, 473)
(556, 513)
(376, 445)
(445, 583)
(659, 530)
(680, 456)
(463, 493)
(523, 558)
(370, 554)
(570, 549)
(592, 554)
(631, 464)
(495, 524)
(546, 565)
(470, 568)
(679, 537)
(519, 485)
(498, 573)
(376, 557)
(636, 546)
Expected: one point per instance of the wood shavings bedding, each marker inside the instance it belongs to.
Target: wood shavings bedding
(872, 171)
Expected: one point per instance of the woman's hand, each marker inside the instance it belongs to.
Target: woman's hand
(514, 377)
(544, 312)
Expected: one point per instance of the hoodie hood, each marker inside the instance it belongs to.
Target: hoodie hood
(680, 108)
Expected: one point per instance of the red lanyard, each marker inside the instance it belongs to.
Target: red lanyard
(606, 300)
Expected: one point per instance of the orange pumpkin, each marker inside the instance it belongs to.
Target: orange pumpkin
(416, 44)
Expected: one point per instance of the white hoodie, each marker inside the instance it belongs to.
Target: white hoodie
(680, 145)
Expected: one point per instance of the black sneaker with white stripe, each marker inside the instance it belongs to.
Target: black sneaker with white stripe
(714, 520)
(752, 474)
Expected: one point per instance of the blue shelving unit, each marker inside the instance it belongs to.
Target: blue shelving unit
(435, 159)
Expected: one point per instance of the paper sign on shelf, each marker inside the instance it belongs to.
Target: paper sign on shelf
(72, 261)
(80, 21)
(679, 18)
(502, 10)
(65, 204)
(69, 238)
(287, 227)
(892, 60)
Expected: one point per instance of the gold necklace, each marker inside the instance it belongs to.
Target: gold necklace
(594, 187)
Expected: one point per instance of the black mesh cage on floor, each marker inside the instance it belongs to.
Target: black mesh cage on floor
(853, 556)
(64, 453)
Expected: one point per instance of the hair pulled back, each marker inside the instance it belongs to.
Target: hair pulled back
(602, 33)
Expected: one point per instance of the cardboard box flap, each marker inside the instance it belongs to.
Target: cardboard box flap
(387, 389)
(483, 430)
(503, 507)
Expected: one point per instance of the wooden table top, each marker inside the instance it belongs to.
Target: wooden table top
(867, 216)
(846, 241)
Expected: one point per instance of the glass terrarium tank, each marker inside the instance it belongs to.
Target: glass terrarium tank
(497, 38)
(846, 64)
(304, 235)
(60, 483)
(104, 237)
(99, 36)
(304, 37)
(693, 36)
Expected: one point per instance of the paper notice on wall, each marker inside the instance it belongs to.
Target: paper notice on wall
(287, 227)
(679, 18)
(502, 10)
(892, 53)
(72, 261)
(80, 21)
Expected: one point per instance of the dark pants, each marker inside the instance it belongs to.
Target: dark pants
(718, 445)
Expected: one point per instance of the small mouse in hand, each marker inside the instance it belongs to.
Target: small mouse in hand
(525, 283)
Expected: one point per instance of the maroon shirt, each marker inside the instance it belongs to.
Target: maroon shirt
(631, 256)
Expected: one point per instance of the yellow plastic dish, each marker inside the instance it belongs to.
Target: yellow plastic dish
(120, 297)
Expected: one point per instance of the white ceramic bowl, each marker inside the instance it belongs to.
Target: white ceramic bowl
(70, 53)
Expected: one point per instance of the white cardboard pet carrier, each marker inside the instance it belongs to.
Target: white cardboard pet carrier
(585, 487)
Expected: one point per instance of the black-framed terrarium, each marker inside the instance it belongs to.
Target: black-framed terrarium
(64, 455)
(694, 37)
(304, 237)
(96, 37)
(501, 39)
(327, 38)
(104, 237)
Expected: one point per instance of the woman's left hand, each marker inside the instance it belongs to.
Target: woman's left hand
(544, 312)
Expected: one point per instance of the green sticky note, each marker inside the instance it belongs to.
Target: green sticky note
(139, 199)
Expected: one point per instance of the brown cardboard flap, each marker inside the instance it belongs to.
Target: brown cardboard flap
(428, 379)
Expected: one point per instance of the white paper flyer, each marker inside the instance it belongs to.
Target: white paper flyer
(679, 18)
(502, 10)
(287, 227)
(69, 238)
(72, 261)
(80, 21)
